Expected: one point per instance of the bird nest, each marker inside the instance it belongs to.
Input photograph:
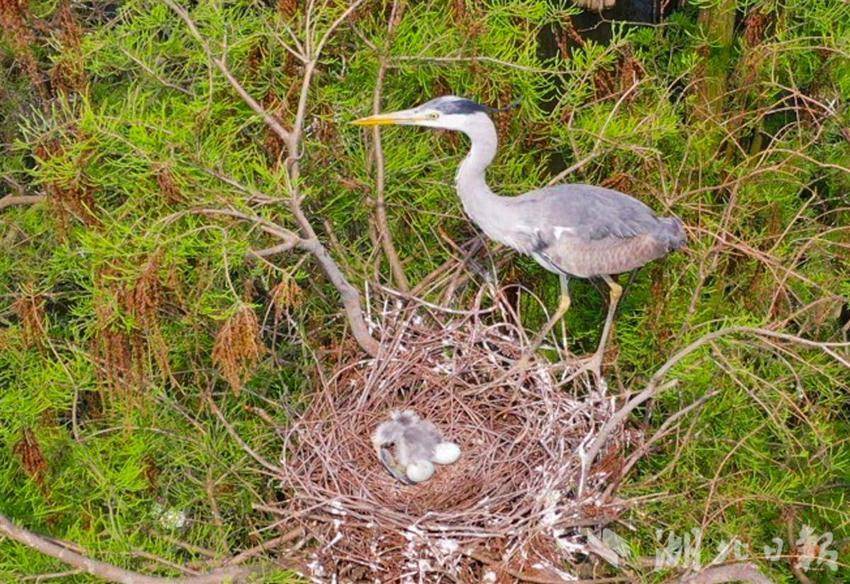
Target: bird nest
(517, 503)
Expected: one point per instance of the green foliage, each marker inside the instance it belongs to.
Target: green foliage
(112, 370)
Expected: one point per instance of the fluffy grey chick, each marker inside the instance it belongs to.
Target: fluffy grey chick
(408, 446)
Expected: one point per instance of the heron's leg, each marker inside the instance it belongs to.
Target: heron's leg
(563, 306)
(615, 291)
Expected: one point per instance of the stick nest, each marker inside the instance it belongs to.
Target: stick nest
(516, 502)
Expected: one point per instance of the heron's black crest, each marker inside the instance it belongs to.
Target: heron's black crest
(456, 105)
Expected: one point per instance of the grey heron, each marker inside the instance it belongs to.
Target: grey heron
(572, 230)
(408, 446)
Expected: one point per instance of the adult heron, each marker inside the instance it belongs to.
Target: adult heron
(573, 230)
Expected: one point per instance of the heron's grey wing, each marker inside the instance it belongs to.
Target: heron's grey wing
(591, 213)
(586, 231)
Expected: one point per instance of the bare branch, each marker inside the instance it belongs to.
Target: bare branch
(268, 118)
(11, 200)
(655, 385)
(108, 571)
(349, 295)
(740, 572)
(309, 240)
(270, 251)
(384, 233)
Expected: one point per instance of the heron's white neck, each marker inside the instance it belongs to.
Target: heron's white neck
(479, 202)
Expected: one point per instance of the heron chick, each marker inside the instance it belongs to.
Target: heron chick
(408, 447)
(572, 230)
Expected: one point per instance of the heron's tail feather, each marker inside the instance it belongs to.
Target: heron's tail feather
(672, 232)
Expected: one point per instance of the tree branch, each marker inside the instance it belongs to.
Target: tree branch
(108, 571)
(655, 385)
(384, 234)
(268, 118)
(740, 572)
(308, 240)
(348, 294)
(11, 200)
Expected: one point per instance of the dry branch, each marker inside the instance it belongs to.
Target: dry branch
(349, 296)
(308, 240)
(108, 571)
(654, 385)
(740, 572)
(380, 203)
(11, 200)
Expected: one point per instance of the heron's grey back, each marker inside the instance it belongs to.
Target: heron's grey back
(586, 231)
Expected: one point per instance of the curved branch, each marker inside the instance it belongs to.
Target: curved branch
(655, 385)
(348, 293)
(268, 118)
(740, 572)
(308, 239)
(108, 571)
(384, 232)
(10, 200)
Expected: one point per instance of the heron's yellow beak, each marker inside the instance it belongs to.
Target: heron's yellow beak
(403, 118)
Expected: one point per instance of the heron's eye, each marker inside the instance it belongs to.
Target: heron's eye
(433, 116)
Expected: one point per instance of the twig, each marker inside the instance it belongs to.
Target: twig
(266, 545)
(268, 118)
(154, 74)
(235, 435)
(108, 571)
(349, 296)
(654, 385)
(662, 431)
(385, 236)
(740, 572)
(793, 560)
(10, 200)
(524, 577)
(51, 576)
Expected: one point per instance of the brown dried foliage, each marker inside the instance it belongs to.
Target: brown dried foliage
(238, 347)
(167, 185)
(68, 75)
(75, 199)
(630, 71)
(30, 310)
(273, 143)
(121, 354)
(118, 354)
(144, 298)
(285, 295)
(28, 450)
(287, 8)
(511, 496)
(567, 37)
(620, 181)
(610, 82)
(755, 27)
(14, 17)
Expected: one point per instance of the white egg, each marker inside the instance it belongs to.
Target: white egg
(419, 471)
(446, 453)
